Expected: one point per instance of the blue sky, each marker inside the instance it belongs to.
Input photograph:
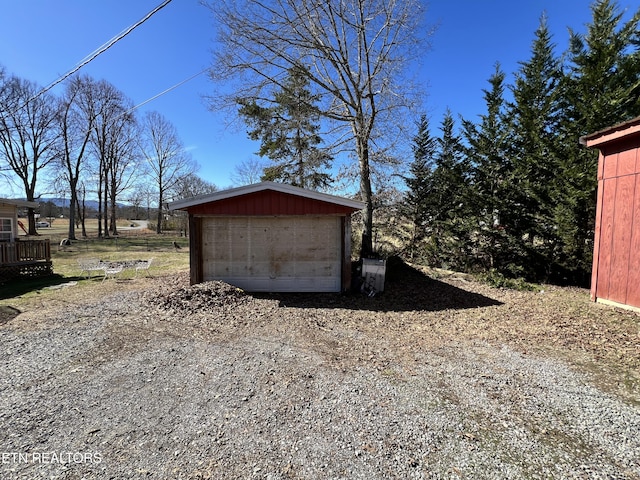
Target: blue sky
(40, 40)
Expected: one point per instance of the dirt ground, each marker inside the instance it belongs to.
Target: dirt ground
(282, 365)
(422, 309)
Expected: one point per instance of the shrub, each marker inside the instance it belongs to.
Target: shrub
(496, 279)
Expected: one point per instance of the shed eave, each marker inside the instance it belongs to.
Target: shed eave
(258, 187)
(610, 134)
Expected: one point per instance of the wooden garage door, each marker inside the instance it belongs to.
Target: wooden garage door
(274, 254)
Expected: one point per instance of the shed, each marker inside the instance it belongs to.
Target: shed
(616, 258)
(271, 237)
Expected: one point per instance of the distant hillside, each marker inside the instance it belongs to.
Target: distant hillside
(64, 202)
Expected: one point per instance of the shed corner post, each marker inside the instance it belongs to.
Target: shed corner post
(346, 253)
(597, 229)
(195, 249)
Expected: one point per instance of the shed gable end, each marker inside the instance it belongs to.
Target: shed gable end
(268, 202)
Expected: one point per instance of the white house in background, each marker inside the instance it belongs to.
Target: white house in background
(9, 217)
(20, 258)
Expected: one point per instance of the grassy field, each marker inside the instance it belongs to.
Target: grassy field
(133, 243)
(60, 227)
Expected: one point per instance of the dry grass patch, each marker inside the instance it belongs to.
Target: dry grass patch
(166, 260)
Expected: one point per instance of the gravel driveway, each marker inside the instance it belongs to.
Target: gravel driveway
(150, 378)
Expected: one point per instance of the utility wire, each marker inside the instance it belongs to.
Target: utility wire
(98, 51)
(163, 92)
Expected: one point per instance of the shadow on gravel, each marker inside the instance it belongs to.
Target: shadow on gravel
(19, 287)
(406, 289)
(8, 313)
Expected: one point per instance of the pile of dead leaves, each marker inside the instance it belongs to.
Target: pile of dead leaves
(202, 297)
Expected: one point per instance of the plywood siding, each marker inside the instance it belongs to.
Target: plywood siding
(621, 238)
(633, 283)
(259, 253)
(616, 270)
(7, 210)
(606, 236)
(616, 255)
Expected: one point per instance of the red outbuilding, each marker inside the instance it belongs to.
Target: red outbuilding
(616, 257)
(271, 237)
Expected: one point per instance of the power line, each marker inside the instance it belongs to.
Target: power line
(165, 91)
(92, 56)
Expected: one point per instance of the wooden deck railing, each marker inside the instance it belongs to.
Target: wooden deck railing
(24, 251)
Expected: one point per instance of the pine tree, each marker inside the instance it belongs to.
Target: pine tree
(603, 86)
(488, 151)
(535, 114)
(288, 131)
(419, 184)
(448, 204)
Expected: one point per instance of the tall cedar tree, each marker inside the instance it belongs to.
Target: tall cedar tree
(601, 89)
(488, 150)
(288, 132)
(448, 203)
(419, 184)
(535, 113)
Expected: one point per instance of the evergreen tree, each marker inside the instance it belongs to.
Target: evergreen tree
(419, 184)
(601, 88)
(488, 151)
(448, 204)
(523, 199)
(288, 131)
(535, 114)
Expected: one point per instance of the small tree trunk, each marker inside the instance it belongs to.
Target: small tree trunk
(106, 211)
(366, 195)
(31, 220)
(100, 204)
(73, 204)
(83, 216)
(159, 224)
(114, 213)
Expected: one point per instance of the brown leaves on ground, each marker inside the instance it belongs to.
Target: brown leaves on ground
(203, 296)
(419, 311)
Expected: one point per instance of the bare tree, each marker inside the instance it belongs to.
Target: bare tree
(191, 185)
(136, 199)
(115, 147)
(28, 140)
(123, 159)
(188, 186)
(355, 53)
(82, 208)
(76, 120)
(4, 165)
(248, 171)
(163, 150)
